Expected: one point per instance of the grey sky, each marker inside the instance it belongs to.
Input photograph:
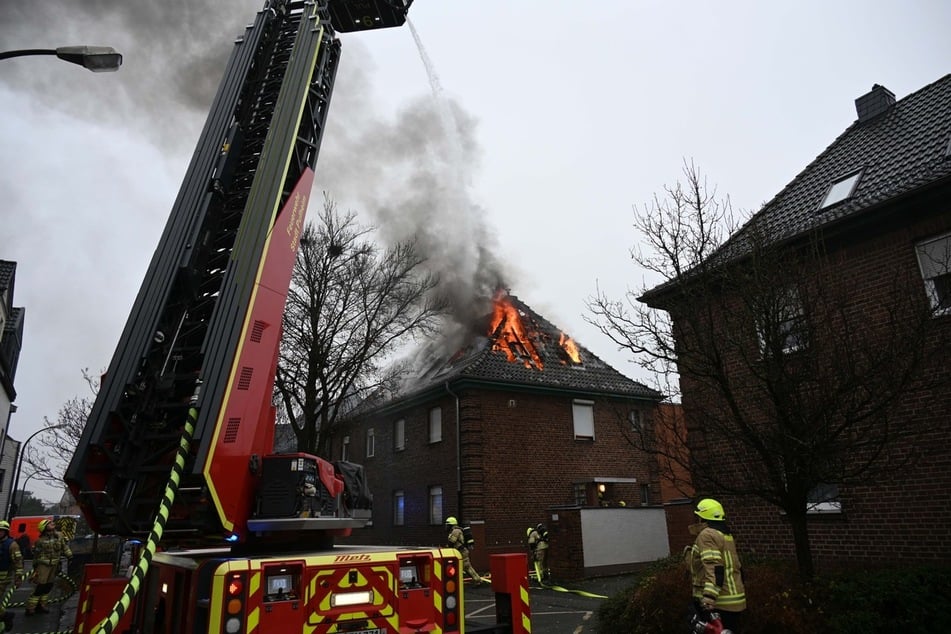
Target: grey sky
(567, 115)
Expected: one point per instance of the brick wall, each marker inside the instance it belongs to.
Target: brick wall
(900, 514)
(520, 460)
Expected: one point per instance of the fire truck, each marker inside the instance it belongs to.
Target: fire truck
(177, 455)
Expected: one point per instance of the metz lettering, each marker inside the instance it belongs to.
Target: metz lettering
(297, 219)
(345, 558)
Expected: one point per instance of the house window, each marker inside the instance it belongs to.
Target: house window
(345, 449)
(580, 491)
(634, 417)
(781, 326)
(824, 499)
(435, 505)
(435, 424)
(3, 478)
(583, 416)
(841, 190)
(398, 507)
(371, 443)
(934, 258)
(645, 494)
(399, 435)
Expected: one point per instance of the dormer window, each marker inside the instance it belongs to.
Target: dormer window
(841, 190)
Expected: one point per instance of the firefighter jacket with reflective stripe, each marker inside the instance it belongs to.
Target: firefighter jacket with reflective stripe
(713, 549)
(457, 540)
(10, 558)
(50, 549)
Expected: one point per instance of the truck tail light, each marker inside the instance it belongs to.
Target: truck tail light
(234, 603)
(451, 602)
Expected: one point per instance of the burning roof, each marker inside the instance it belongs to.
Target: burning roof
(518, 347)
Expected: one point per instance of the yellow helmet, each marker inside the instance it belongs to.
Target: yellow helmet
(44, 524)
(710, 509)
(4, 526)
(528, 531)
(451, 521)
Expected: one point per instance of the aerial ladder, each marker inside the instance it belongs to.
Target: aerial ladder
(204, 331)
(177, 453)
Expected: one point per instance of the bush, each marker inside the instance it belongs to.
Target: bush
(864, 602)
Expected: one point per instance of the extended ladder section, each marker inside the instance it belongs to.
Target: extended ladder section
(204, 331)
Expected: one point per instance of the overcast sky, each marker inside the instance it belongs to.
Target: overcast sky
(566, 115)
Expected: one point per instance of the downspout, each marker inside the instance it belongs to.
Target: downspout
(458, 455)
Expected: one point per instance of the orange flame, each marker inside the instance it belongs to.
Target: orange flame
(509, 335)
(570, 347)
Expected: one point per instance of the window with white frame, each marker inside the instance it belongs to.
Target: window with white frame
(345, 449)
(781, 325)
(435, 424)
(583, 417)
(824, 499)
(841, 190)
(399, 435)
(934, 259)
(435, 505)
(398, 508)
(371, 443)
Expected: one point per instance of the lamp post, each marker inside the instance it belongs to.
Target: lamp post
(16, 479)
(98, 59)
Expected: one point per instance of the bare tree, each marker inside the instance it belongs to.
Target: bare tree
(351, 306)
(790, 379)
(48, 456)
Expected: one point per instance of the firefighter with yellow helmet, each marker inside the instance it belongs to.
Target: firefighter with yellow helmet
(715, 569)
(538, 550)
(11, 569)
(48, 553)
(457, 540)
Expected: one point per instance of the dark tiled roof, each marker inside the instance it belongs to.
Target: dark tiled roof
(899, 151)
(7, 271)
(904, 149)
(479, 362)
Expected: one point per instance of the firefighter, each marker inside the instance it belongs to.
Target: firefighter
(538, 550)
(457, 540)
(715, 569)
(48, 553)
(11, 570)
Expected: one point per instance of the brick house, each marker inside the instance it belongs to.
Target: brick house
(877, 203)
(516, 428)
(11, 340)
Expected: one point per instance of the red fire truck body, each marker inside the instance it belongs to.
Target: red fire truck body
(359, 590)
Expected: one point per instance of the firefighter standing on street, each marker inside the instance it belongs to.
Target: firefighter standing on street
(715, 569)
(11, 569)
(538, 550)
(457, 540)
(48, 553)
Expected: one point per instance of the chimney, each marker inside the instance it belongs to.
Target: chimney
(874, 103)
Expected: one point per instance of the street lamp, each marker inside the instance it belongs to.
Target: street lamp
(98, 59)
(16, 479)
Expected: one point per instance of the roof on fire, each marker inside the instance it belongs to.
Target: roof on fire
(479, 362)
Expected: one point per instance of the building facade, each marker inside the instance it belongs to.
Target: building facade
(875, 206)
(513, 431)
(11, 340)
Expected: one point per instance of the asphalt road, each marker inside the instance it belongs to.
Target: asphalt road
(552, 611)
